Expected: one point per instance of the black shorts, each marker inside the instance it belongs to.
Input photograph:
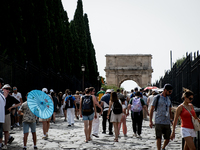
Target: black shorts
(162, 129)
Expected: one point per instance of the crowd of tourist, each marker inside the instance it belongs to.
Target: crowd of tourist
(113, 106)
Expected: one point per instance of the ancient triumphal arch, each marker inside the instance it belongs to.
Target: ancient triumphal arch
(120, 68)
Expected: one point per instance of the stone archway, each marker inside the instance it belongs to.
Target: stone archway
(128, 67)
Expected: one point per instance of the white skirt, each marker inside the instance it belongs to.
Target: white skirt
(115, 118)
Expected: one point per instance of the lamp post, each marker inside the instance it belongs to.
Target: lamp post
(98, 78)
(83, 70)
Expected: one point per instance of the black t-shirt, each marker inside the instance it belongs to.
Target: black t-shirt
(10, 100)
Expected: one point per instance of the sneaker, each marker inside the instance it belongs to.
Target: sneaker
(135, 135)
(24, 148)
(10, 140)
(110, 133)
(139, 136)
(4, 147)
(17, 125)
(35, 147)
(65, 120)
(69, 125)
(95, 135)
(104, 132)
(125, 135)
(72, 124)
(44, 138)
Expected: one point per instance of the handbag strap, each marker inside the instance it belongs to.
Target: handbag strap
(188, 111)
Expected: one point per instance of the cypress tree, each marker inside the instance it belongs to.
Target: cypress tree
(92, 65)
(81, 35)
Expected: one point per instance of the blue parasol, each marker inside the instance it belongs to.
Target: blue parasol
(40, 104)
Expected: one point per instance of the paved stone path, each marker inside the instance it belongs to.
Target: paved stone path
(62, 137)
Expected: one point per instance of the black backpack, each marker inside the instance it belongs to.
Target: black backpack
(117, 107)
(70, 102)
(87, 105)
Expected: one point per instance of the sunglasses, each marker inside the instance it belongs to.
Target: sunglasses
(170, 92)
(7, 89)
(190, 99)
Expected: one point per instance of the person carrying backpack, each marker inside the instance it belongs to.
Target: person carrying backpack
(70, 105)
(162, 105)
(116, 113)
(88, 112)
(136, 105)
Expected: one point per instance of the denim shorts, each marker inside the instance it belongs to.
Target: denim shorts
(1, 130)
(26, 126)
(90, 117)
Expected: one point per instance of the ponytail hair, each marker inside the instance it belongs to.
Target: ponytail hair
(186, 93)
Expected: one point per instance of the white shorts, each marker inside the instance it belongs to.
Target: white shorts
(188, 132)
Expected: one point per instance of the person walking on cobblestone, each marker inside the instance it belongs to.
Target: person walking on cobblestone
(2, 116)
(18, 96)
(45, 122)
(105, 104)
(77, 101)
(123, 119)
(11, 103)
(163, 115)
(64, 104)
(88, 112)
(70, 106)
(95, 122)
(116, 113)
(185, 110)
(60, 102)
(29, 121)
(136, 105)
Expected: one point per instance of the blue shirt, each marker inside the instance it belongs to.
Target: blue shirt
(106, 98)
(72, 98)
(164, 104)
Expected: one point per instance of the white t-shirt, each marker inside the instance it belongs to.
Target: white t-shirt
(2, 108)
(150, 101)
(17, 96)
(64, 96)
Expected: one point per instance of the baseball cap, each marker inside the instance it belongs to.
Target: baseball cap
(168, 87)
(108, 91)
(102, 88)
(45, 90)
(6, 86)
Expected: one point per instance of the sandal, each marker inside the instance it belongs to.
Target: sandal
(116, 140)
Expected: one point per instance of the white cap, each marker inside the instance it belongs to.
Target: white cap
(108, 91)
(45, 90)
(51, 91)
(6, 86)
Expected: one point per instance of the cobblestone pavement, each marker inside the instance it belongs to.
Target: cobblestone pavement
(62, 137)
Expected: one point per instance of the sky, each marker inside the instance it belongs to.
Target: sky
(153, 27)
